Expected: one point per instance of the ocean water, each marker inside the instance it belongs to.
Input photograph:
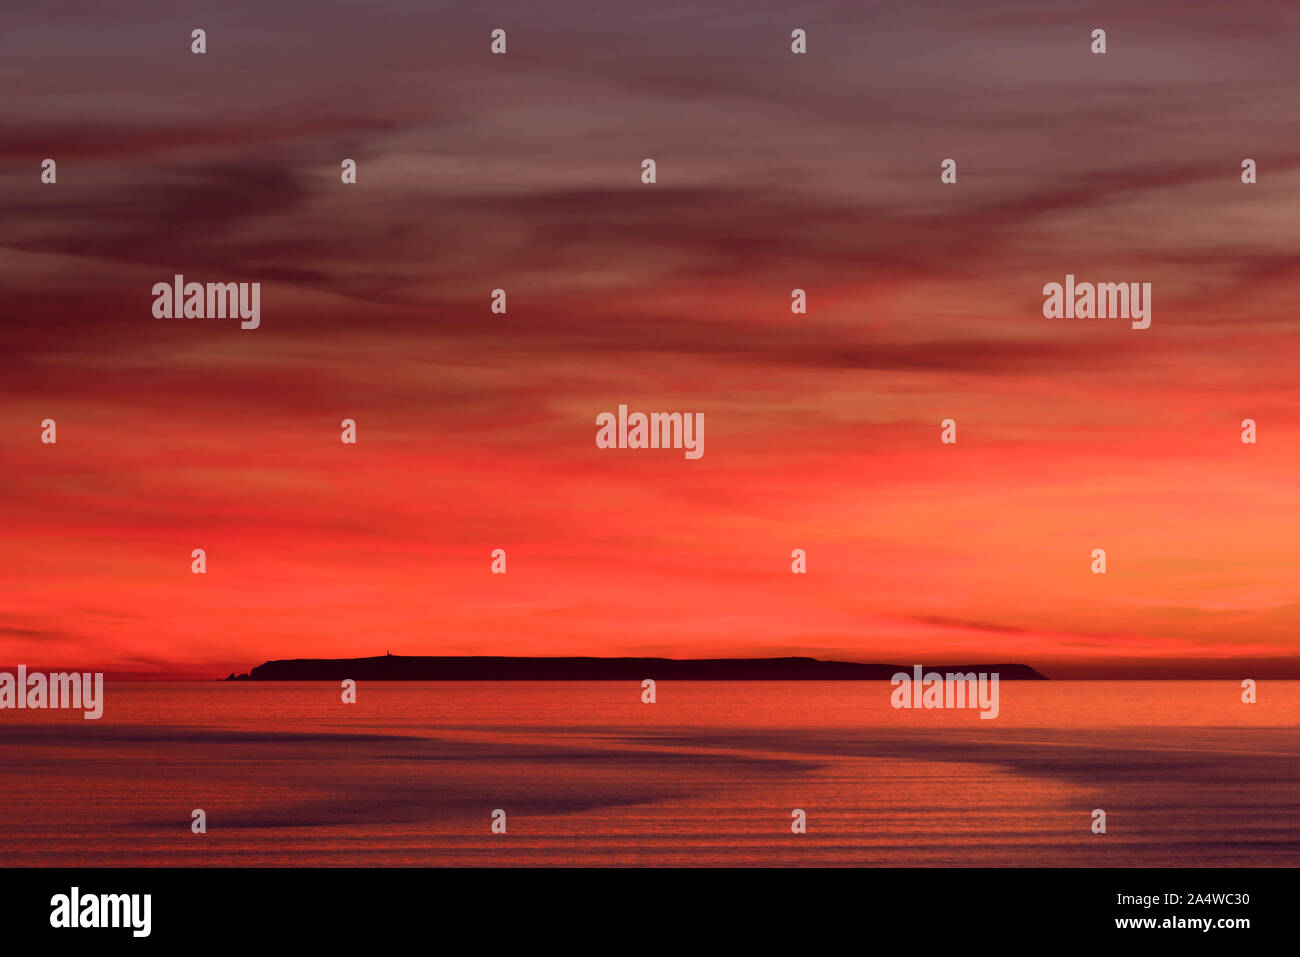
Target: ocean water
(588, 775)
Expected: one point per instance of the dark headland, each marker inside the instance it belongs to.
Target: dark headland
(485, 668)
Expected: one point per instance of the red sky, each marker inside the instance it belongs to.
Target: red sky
(477, 431)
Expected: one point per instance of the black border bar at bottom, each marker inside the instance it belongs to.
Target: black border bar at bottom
(947, 908)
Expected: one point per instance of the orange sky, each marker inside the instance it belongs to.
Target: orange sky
(822, 432)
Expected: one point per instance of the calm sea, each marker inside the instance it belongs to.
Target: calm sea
(709, 775)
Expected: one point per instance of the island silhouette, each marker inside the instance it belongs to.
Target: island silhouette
(494, 668)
